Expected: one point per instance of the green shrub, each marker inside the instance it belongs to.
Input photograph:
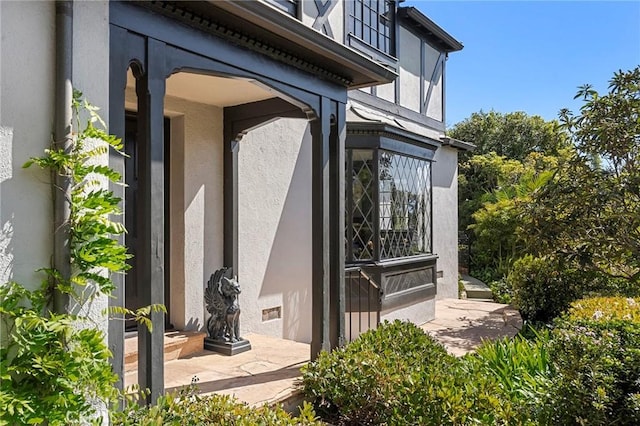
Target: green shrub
(188, 408)
(54, 367)
(398, 375)
(365, 379)
(596, 352)
(541, 289)
(501, 291)
(523, 370)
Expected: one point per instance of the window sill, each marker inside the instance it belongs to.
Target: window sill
(375, 54)
(402, 261)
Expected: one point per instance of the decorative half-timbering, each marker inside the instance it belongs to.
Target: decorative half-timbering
(322, 22)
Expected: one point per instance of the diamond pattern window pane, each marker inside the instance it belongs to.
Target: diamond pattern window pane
(405, 205)
(362, 184)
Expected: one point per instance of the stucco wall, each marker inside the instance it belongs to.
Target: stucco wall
(387, 92)
(27, 72)
(91, 77)
(409, 70)
(196, 205)
(445, 220)
(198, 232)
(435, 105)
(26, 121)
(275, 229)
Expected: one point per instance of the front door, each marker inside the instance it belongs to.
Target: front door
(131, 293)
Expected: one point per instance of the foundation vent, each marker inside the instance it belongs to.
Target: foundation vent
(271, 313)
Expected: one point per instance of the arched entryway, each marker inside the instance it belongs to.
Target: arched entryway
(174, 57)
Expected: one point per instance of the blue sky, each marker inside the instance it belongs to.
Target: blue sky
(532, 55)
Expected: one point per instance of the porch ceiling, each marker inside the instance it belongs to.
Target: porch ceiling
(212, 90)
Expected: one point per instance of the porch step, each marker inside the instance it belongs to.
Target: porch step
(177, 344)
(476, 289)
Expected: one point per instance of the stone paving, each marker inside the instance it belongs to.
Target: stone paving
(265, 374)
(462, 324)
(268, 372)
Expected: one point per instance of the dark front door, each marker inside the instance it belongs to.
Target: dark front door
(131, 290)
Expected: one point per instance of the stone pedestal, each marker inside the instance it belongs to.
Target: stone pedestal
(226, 348)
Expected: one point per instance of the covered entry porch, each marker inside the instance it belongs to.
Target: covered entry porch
(166, 49)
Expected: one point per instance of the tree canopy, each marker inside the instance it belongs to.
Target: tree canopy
(555, 206)
(513, 135)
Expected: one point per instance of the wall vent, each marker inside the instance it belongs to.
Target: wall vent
(271, 313)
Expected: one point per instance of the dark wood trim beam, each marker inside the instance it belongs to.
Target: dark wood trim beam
(360, 70)
(150, 89)
(235, 60)
(243, 118)
(230, 194)
(118, 65)
(337, 223)
(429, 29)
(320, 223)
(437, 71)
(180, 60)
(423, 78)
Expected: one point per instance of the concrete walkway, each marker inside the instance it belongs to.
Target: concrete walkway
(462, 324)
(265, 374)
(269, 371)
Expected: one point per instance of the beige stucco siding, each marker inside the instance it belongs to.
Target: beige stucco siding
(430, 61)
(275, 229)
(91, 77)
(196, 207)
(387, 92)
(409, 70)
(26, 121)
(27, 81)
(445, 219)
(418, 313)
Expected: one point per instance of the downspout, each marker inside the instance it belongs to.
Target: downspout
(63, 140)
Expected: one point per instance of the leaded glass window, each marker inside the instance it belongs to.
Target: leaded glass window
(388, 212)
(405, 205)
(361, 215)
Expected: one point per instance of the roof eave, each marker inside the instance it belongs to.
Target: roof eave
(362, 70)
(448, 42)
(456, 143)
(390, 129)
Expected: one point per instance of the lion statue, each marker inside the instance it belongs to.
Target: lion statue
(221, 298)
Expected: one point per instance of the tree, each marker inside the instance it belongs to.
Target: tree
(496, 223)
(510, 148)
(513, 135)
(589, 214)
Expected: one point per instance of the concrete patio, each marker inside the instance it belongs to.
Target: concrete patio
(267, 374)
(462, 324)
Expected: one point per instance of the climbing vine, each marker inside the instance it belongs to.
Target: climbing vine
(54, 366)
